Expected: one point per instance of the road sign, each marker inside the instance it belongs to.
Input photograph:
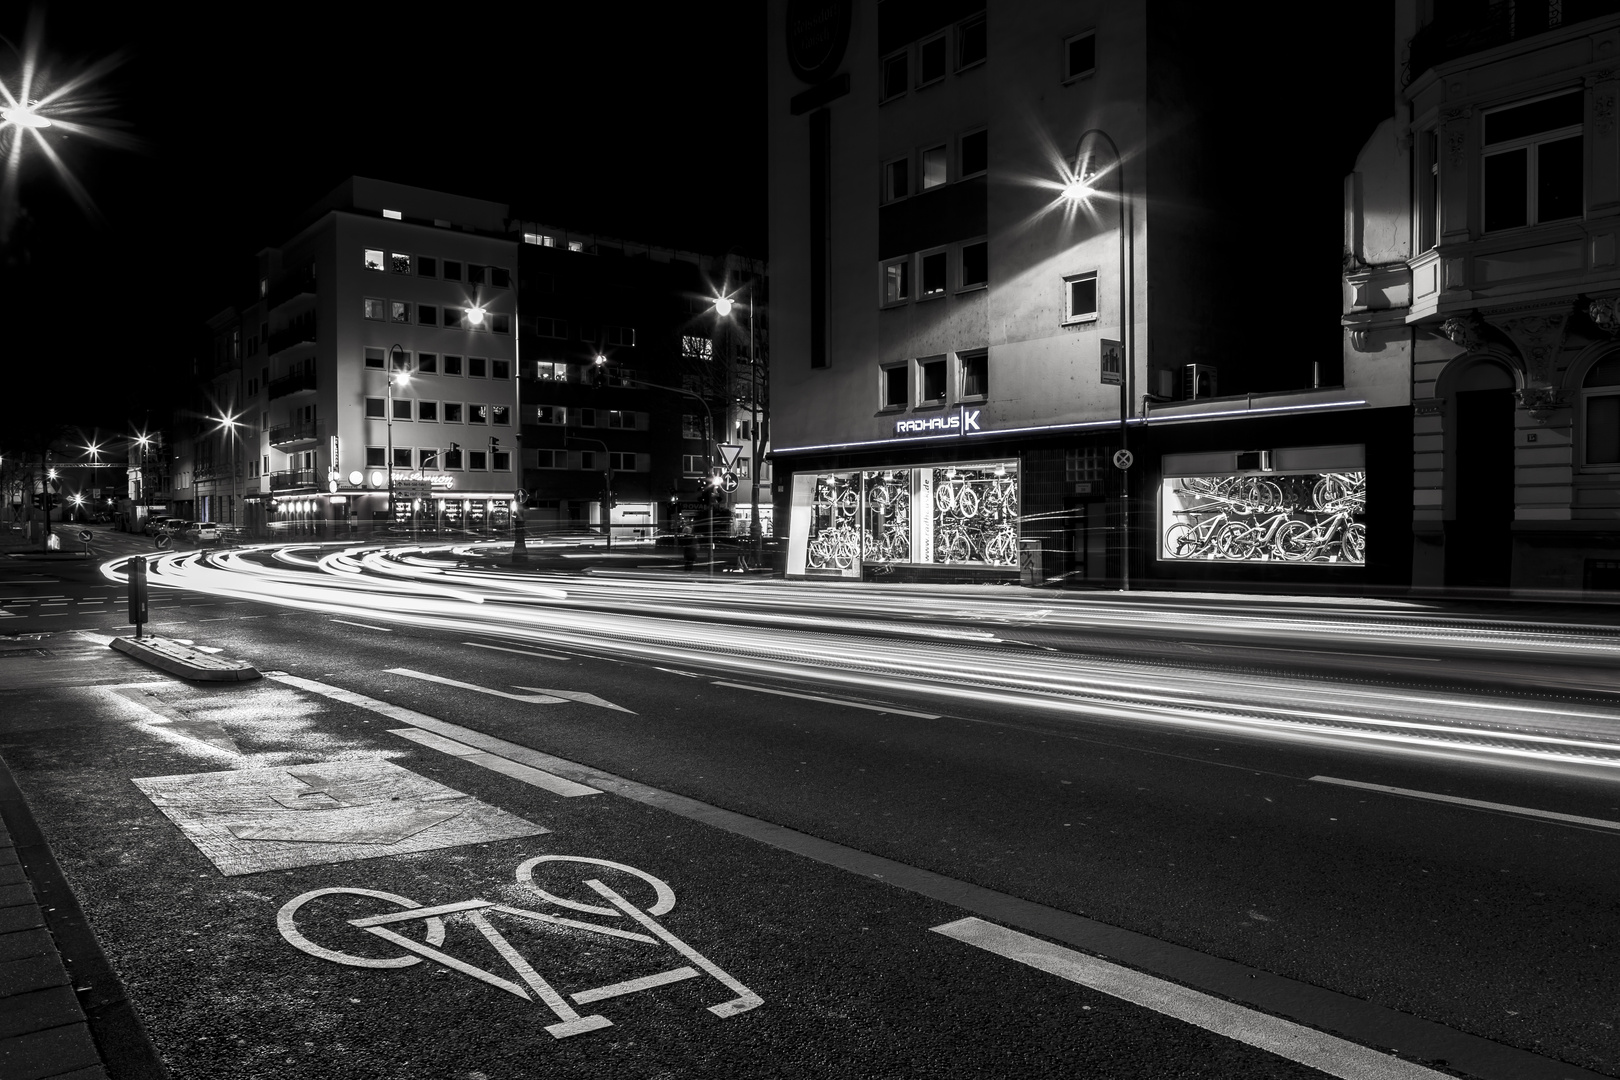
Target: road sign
(1123, 459)
(729, 453)
(1113, 362)
(84, 534)
(729, 483)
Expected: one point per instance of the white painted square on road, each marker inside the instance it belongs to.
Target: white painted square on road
(247, 821)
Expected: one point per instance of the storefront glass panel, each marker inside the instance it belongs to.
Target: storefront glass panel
(975, 514)
(1306, 517)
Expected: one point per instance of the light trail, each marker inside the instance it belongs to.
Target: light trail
(904, 643)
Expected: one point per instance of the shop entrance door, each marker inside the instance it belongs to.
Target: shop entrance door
(1087, 539)
(1479, 547)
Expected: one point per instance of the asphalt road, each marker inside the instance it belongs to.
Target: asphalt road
(1239, 844)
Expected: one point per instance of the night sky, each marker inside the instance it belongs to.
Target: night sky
(642, 121)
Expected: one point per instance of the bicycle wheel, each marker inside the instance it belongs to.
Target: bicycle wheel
(285, 922)
(1236, 541)
(959, 548)
(663, 895)
(945, 498)
(967, 501)
(1179, 541)
(1293, 542)
(1354, 544)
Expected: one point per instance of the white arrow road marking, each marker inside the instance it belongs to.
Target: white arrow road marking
(534, 696)
(581, 697)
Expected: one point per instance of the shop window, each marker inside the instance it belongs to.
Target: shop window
(1533, 162)
(931, 381)
(897, 281)
(1600, 412)
(893, 386)
(1252, 517)
(1080, 298)
(975, 374)
(1080, 56)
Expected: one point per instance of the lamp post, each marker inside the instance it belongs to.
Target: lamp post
(1082, 188)
(228, 425)
(722, 307)
(404, 377)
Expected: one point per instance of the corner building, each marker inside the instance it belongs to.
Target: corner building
(965, 339)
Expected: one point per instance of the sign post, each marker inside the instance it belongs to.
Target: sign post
(1112, 353)
(137, 592)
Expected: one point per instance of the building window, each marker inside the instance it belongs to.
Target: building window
(576, 245)
(975, 374)
(427, 363)
(933, 167)
(375, 308)
(585, 418)
(972, 43)
(452, 412)
(478, 460)
(398, 263)
(550, 414)
(620, 335)
(932, 266)
(692, 465)
(696, 347)
(427, 458)
(1429, 192)
(374, 259)
(1080, 55)
(452, 365)
(402, 408)
(931, 380)
(402, 457)
(428, 411)
(476, 273)
(1087, 464)
(401, 358)
(975, 265)
(691, 426)
(931, 61)
(618, 418)
(393, 215)
(975, 154)
(426, 267)
(896, 179)
(500, 414)
(477, 414)
(501, 461)
(376, 408)
(500, 277)
(1600, 412)
(376, 358)
(539, 239)
(552, 328)
(477, 367)
(893, 386)
(455, 318)
(551, 371)
(1080, 298)
(1533, 162)
(427, 314)
(550, 459)
(500, 369)
(399, 311)
(452, 270)
(622, 462)
(587, 460)
(894, 76)
(376, 458)
(897, 281)
(500, 323)
(452, 457)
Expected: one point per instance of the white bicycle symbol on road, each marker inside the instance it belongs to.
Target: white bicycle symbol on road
(569, 1021)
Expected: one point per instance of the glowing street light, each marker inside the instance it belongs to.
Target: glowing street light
(25, 116)
(475, 315)
(401, 375)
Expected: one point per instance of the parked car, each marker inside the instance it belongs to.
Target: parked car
(201, 532)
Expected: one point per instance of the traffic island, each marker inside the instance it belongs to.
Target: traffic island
(185, 661)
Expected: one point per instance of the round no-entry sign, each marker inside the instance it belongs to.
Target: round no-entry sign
(1123, 459)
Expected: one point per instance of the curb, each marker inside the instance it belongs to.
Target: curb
(185, 662)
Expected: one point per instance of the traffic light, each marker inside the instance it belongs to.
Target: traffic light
(455, 448)
(613, 499)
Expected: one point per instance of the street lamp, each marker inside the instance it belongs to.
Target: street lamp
(228, 424)
(722, 307)
(1083, 188)
(404, 377)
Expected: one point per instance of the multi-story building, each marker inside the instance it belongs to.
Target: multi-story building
(1009, 243)
(383, 351)
(630, 379)
(1483, 219)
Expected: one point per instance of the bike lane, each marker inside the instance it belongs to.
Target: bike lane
(251, 859)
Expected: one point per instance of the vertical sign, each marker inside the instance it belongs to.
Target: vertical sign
(335, 462)
(137, 592)
(1113, 362)
(922, 517)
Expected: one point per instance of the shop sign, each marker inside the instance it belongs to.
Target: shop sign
(960, 422)
(438, 480)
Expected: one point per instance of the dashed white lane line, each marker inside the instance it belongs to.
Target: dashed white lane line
(520, 652)
(1477, 804)
(829, 700)
(490, 752)
(1296, 1042)
(364, 626)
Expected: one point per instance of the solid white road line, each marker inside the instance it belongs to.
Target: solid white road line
(1550, 815)
(829, 700)
(520, 652)
(537, 699)
(1327, 1053)
(365, 626)
(495, 763)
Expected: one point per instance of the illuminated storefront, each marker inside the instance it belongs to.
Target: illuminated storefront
(962, 514)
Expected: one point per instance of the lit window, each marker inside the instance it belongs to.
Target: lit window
(576, 245)
(971, 43)
(931, 61)
(931, 381)
(399, 311)
(393, 215)
(894, 385)
(897, 179)
(1534, 162)
(374, 258)
(500, 414)
(1600, 412)
(933, 274)
(975, 264)
(975, 151)
(696, 347)
(897, 281)
(1080, 55)
(399, 264)
(477, 414)
(551, 371)
(933, 167)
(894, 76)
(975, 374)
(540, 239)
(375, 308)
(1080, 298)
(550, 414)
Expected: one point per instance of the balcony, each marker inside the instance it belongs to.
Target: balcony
(292, 478)
(1471, 26)
(291, 286)
(300, 331)
(296, 383)
(302, 433)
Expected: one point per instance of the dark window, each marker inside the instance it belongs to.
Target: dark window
(427, 363)
(894, 76)
(452, 459)
(477, 367)
(452, 365)
(375, 358)
(931, 61)
(1550, 114)
(455, 317)
(897, 179)
(933, 381)
(500, 324)
(402, 408)
(376, 457)
(1558, 180)
(975, 375)
(1506, 189)
(1081, 56)
(894, 387)
(427, 267)
(502, 461)
(500, 277)
(402, 457)
(477, 414)
(500, 369)
(500, 414)
(452, 270)
(1083, 298)
(971, 43)
(452, 412)
(933, 274)
(376, 408)
(427, 314)
(477, 459)
(475, 274)
(427, 410)
(975, 153)
(975, 264)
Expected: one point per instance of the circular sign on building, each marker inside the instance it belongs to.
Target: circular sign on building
(1123, 459)
(817, 35)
